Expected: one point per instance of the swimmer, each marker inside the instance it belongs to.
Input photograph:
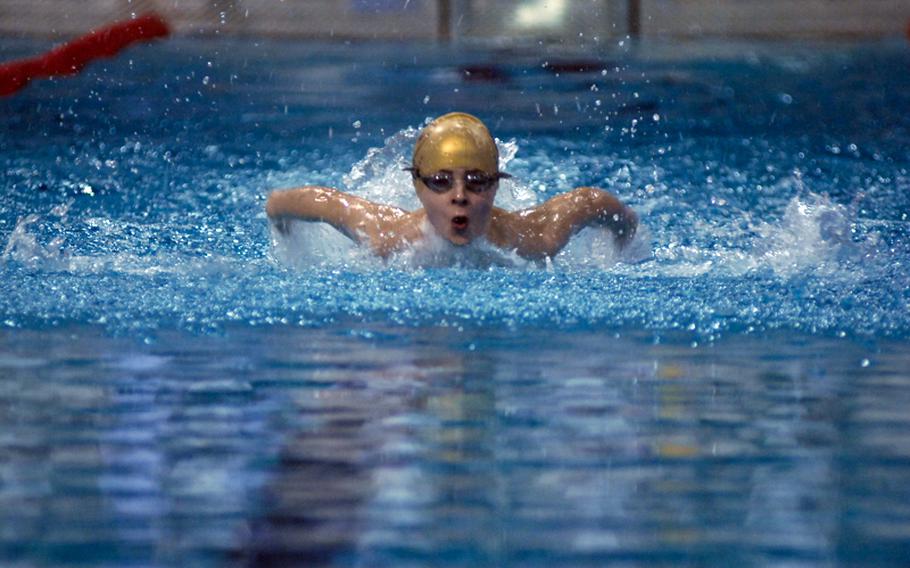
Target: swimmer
(455, 170)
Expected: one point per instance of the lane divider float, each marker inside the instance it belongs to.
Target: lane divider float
(71, 57)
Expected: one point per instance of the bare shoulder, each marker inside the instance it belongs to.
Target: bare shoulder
(395, 230)
(386, 228)
(518, 231)
(543, 230)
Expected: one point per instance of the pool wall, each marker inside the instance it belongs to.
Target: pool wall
(575, 20)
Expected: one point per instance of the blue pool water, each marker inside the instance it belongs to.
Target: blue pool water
(178, 386)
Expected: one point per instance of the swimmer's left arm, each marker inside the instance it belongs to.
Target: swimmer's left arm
(359, 219)
(548, 227)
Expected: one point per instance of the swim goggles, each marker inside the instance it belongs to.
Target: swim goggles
(474, 181)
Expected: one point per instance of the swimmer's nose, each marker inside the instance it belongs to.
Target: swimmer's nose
(459, 195)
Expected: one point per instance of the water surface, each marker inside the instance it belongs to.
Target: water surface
(178, 386)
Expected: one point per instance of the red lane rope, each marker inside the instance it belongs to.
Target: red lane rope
(72, 56)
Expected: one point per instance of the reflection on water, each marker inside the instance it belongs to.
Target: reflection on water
(409, 447)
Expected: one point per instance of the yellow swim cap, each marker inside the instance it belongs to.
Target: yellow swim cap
(456, 140)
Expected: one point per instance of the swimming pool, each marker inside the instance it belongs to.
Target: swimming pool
(177, 390)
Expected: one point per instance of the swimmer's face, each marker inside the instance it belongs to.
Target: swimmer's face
(458, 202)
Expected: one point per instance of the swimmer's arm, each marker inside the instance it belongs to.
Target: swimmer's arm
(359, 219)
(546, 229)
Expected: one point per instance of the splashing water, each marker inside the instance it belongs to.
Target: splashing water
(753, 337)
(815, 235)
(380, 177)
(23, 246)
(812, 240)
(163, 227)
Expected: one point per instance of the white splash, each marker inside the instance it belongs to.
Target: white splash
(380, 177)
(434, 251)
(595, 247)
(24, 247)
(302, 245)
(814, 235)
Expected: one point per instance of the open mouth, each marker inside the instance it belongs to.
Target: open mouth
(460, 222)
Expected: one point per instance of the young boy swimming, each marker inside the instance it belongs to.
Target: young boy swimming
(455, 170)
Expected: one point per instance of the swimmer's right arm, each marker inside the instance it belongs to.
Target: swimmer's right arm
(359, 219)
(544, 230)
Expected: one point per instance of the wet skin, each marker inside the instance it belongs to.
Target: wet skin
(459, 214)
